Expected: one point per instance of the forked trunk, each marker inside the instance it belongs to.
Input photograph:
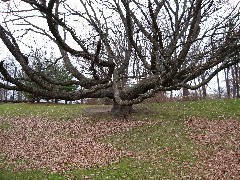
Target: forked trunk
(121, 111)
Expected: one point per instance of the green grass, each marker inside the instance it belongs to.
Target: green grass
(210, 109)
(55, 111)
(164, 146)
(4, 125)
(30, 175)
(162, 150)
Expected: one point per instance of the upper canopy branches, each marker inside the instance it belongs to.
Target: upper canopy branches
(105, 45)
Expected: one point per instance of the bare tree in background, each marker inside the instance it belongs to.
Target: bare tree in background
(219, 92)
(235, 81)
(227, 81)
(1, 94)
(126, 50)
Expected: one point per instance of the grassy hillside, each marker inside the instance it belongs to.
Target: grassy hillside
(51, 110)
(161, 149)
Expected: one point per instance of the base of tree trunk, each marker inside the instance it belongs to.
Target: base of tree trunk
(121, 111)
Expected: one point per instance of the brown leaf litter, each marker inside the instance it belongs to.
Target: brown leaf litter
(40, 143)
(221, 158)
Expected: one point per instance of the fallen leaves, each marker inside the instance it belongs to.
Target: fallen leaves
(40, 143)
(222, 159)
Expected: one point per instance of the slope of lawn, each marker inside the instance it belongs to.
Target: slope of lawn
(51, 110)
(161, 149)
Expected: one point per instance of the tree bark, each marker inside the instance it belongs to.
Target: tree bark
(237, 81)
(226, 71)
(219, 88)
(185, 94)
(121, 111)
(204, 89)
(233, 82)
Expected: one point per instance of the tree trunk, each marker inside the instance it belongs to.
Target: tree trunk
(226, 71)
(6, 93)
(121, 111)
(185, 94)
(237, 81)
(233, 82)
(204, 89)
(19, 96)
(219, 88)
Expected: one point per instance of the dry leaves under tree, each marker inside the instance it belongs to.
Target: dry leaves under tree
(222, 159)
(38, 143)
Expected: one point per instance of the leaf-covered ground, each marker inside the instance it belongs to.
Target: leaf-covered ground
(40, 143)
(173, 140)
(221, 159)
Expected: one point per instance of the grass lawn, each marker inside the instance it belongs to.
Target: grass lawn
(161, 149)
(51, 110)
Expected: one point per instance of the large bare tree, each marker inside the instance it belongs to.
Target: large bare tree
(126, 50)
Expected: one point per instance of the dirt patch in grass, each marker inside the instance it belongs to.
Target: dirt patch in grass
(221, 160)
(40, 143)
(97, 109)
